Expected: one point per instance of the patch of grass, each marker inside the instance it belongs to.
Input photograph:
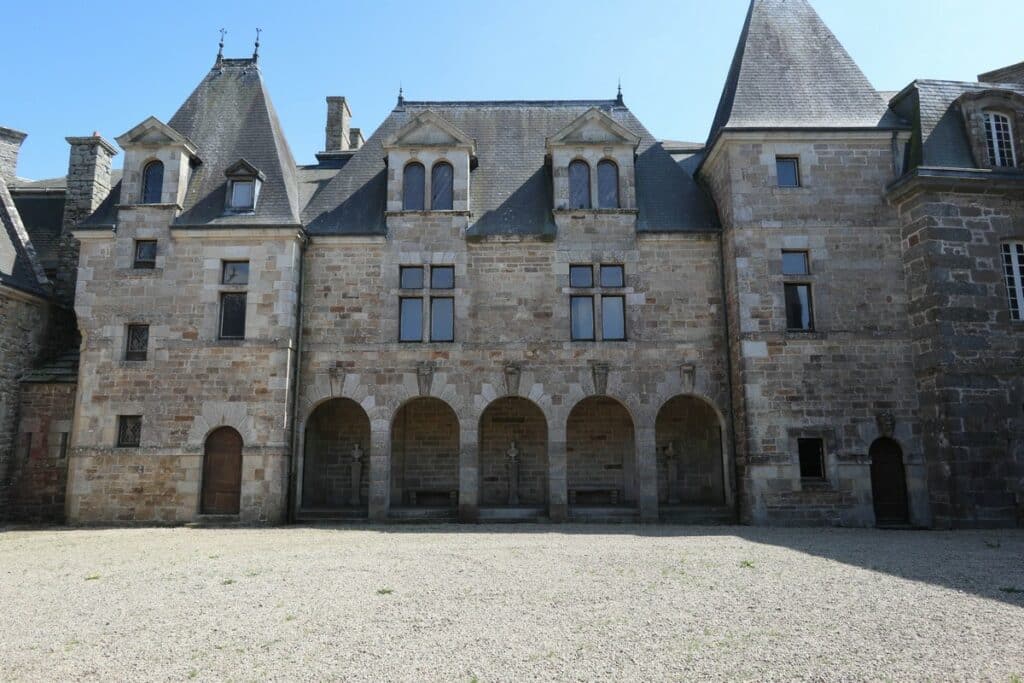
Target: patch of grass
(71, 643)
(1012, 590)
(290, 617)
(214, 557)
(385, 591)
(192, 673)
(747, 564)
(227, 582)
(1014, 678)
(252, 572)
(92, 577)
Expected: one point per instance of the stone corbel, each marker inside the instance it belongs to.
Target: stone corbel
(336, 375)
(599, 371)
(688, 377)
(512, 372)
(425, 376)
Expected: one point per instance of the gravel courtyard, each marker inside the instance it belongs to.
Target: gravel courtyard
(493, 603)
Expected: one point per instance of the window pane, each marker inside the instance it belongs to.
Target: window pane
(581, 276)
(442, 277)
(579, 185)
(129, 430)
(812, 458)
(241, 194)
(442, 177)
(152, 182)
(145, 254)
(232, 315)
(412, 187)
(411, 277)
(788, 172)
(794, 263)
(613, 318)
(999, 136)
(798, 307)
(582, 317)
(235, 273)
(612, 276)
(607, 185)
(442, 319)
(137, 342)
(411, 320)
(1013, 274)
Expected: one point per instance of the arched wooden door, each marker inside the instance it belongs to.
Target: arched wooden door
(888, 482)
(222, 473)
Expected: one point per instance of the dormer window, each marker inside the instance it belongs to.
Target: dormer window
(999, 138)
(413, 180)
(442, 178)
(152, 182)
(243, 192)
(579, 185)
(243, 187)
(607, 184)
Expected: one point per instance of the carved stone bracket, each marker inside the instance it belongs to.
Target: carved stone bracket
(886, 422)
(512, 372)
(599, 371)
(425, 376)
(336, 374)
(688, 376)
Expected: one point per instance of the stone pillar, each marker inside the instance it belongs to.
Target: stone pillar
(380, 474)
(647, 474)
(469, 476)
(10, 146)
(558, 492)
(337, 136)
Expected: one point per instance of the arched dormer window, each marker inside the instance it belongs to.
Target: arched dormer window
(579, 185)
(152, 182)
(442, 191)
(607, 184)
(999, 139)
(413, 178)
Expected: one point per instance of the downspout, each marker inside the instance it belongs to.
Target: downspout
(296, 383)
(728, 371)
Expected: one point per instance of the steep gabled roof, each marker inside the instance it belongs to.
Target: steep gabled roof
(229, 116)
(789, 71)
(19, 267)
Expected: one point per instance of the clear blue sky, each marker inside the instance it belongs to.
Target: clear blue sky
(71, 68)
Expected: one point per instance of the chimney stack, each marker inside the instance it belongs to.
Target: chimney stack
(10, 145)
(355, 140)
(339, 117)
(1007, 74)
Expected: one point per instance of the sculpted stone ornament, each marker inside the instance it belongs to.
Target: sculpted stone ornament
(425, 377)
(673, 474)
(886, 423)
(357, 474)
(513, 474)
(688, 376)
(600, 373)
(512, 373)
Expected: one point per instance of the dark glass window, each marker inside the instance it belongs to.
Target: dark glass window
(235, 273)
(579, 185)
(145, 254)
(442, 319)
(799, 315)
(581, 276)
(613, 318)
(442, 178)
(812, 458)
(411, 277)
(442, 277)
(137, 342)
(410, 311)
(412, 187)
(232, 315)
(788, 170)
(607, 185)
(129, 430)
(152, 182)
(243, 194)
(795, 263)
(612, 276)
(581, 313)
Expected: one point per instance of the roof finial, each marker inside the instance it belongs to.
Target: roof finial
(256, 52)
(618, 97)
(220, 46)
(401, 96)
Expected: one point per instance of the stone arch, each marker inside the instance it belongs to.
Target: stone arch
(215, 414)
(425, 454)
(601, 462)
(221, 489)
(335, 456)
(888, 482)
(508, 420)
(691, 452)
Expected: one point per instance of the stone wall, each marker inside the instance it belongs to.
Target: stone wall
(424, 451)
(40, 470)
(507, 421)
(10, 147)
(600, 450)
(690, 456)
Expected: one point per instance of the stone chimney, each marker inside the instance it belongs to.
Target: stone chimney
(10, 145)
(339, 116)
(355, 138)
(1007, 74)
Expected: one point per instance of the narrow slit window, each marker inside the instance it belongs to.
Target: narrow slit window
(442, 319)
(442, 190)
(1013, 273)
(413, 179)
(799, 315)
(410, 313)
(581, 314)
(788, 171)
(812, 458)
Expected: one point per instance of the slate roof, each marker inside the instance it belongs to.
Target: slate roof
(790, 71)
(42, 214)
(19, 267)
(62, 369)
(511, 186)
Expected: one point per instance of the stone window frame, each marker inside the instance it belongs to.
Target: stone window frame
(830, 458)
(973, 108)
(135, 356)
(124, 436)
(151, 162)
(597, 292)
(1013, 277)
(138, 264)
(797, 279)
(425, 294)
(795, 158)
(232, 289)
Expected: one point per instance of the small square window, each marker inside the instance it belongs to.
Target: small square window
(442, 319)
(232, 315)
(788, 171)
(581, 317)
(812, 458)
(145, 254)
(410, 325)
(235, 273)
(442, 277)
(613, 318)
(243, 194)
(137, 343)
(799, 312)
(129, 430)
(612, 276)
(411, 277)
(795, 263)
(581, 276)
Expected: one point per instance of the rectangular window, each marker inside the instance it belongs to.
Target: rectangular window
(242, 194)
(137, 342)
(613, 318)
(442, 319)
(442, 277)
(581, 313)
(581, 276)
(410, 312)
(235, 273)
(1013, 272)
(129, 430)
(612, 276)
(788, 171)
(63, 453)
(795, 263)
(232, 315)
(145, 254)
(410, 277)
(799, 315)
(812, 458)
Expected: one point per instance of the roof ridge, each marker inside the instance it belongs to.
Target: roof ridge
(449, 103)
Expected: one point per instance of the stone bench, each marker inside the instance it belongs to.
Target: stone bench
(434, 498)
(593, 496)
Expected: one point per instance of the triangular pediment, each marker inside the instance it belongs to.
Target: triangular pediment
(154, 133)
(594, 127)
(243, 169)
(430, 130)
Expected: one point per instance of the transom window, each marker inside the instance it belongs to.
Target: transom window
(413, 184)
(411, 300)
(137, 342)
(999, 138)
(233, 303)
(145, 254)
(795, 263)
(579, 185)
(582, 303)
(235, 273)
(607, 185)
(1013, 272)
(152, 182)
(787, 169)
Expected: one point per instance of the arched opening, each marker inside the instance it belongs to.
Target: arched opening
(888, 482)
(336, 457)
(600, 454)
(442, 186)
(152, 182)
(413, 181)
(513, 454)
(607, 184)
(222, 473)
(579, 184)
(425, 455)
(688, 437)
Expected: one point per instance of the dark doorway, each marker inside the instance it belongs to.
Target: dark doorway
(888, 482)
(222, 473)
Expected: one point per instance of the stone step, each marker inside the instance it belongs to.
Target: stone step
(697, 514)
(603, 514)
(213, 521)
(410, 514)
(337, 515)
(513, 514)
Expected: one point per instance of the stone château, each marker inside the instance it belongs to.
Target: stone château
(530, 309)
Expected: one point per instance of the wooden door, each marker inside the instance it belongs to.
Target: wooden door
(888, 482)
(222, 473)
